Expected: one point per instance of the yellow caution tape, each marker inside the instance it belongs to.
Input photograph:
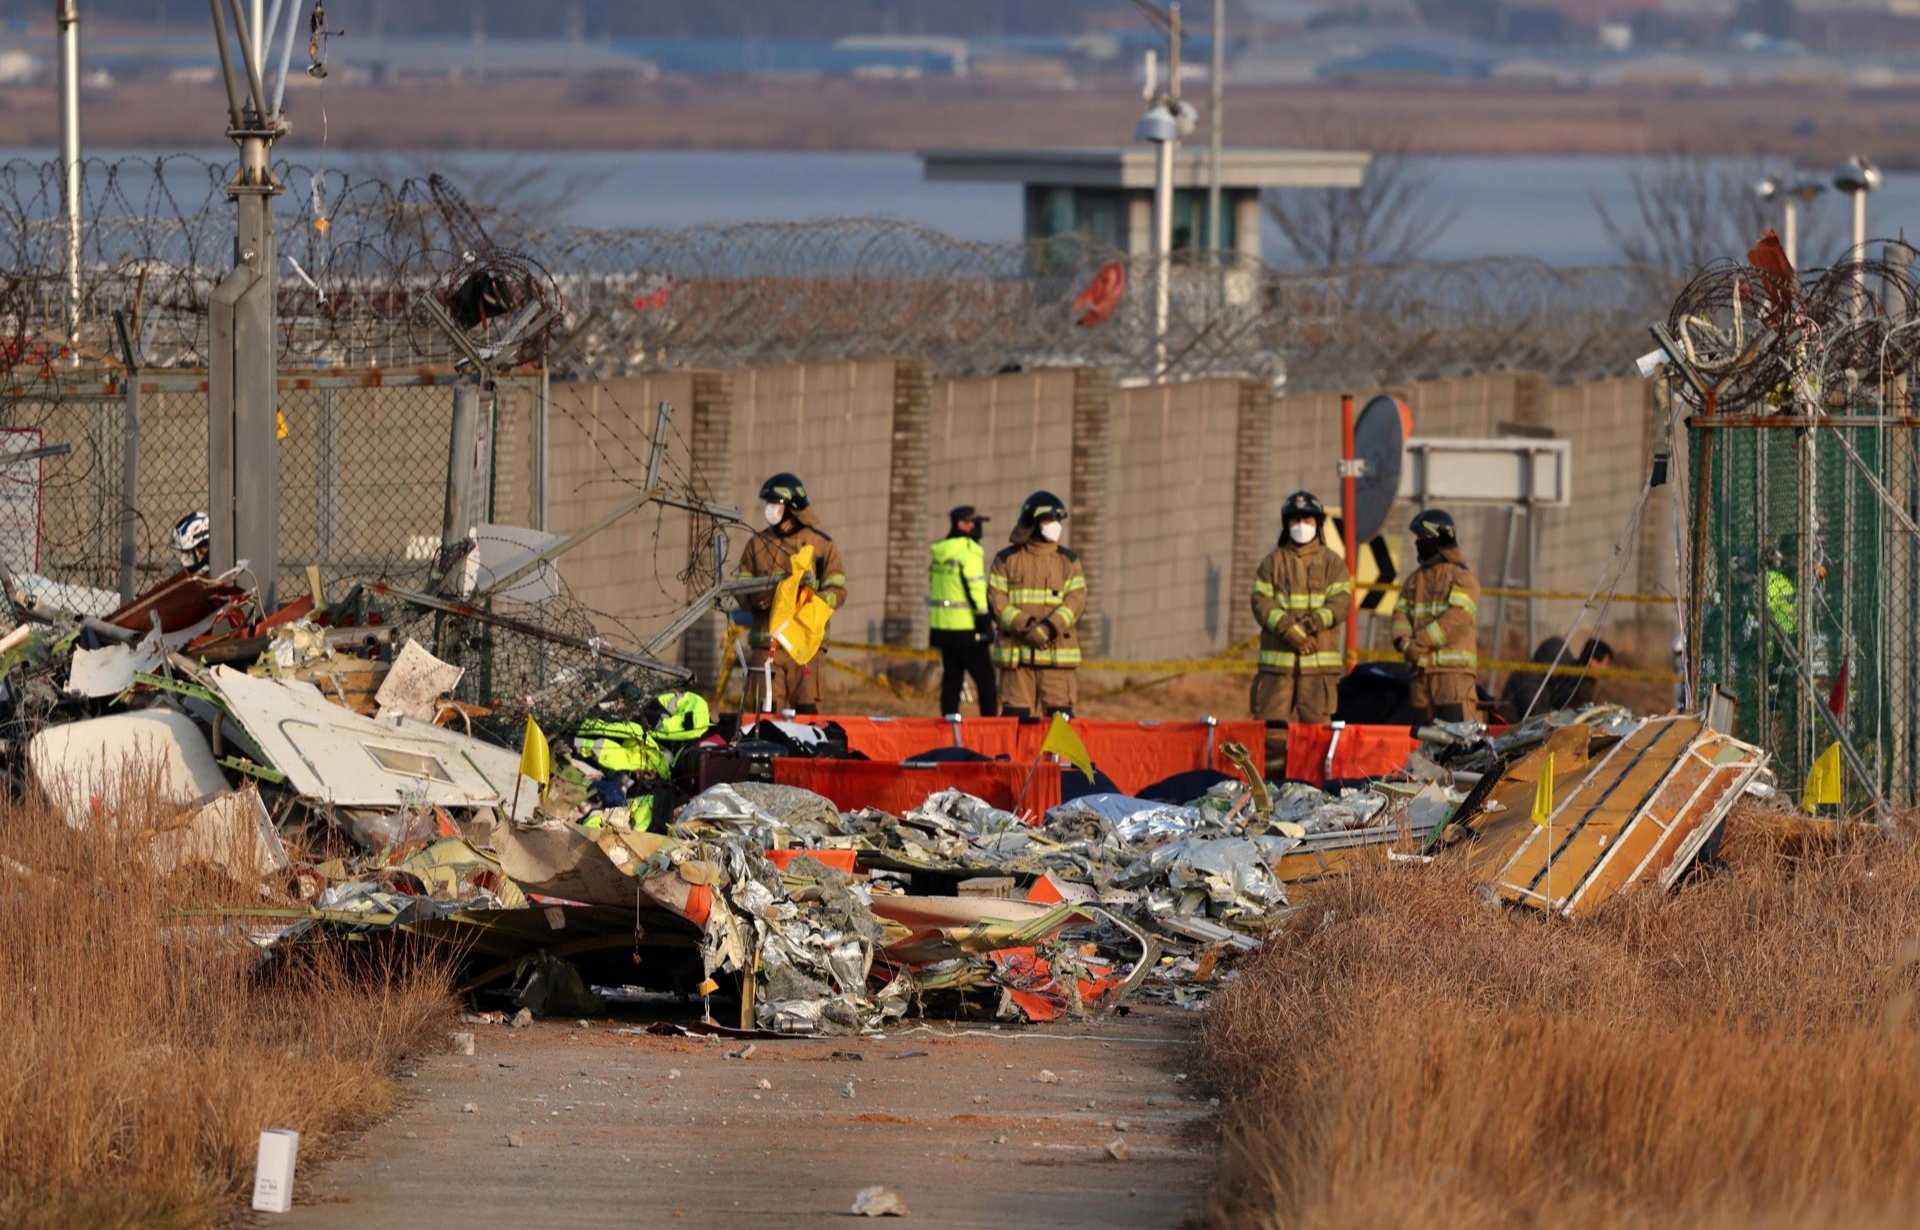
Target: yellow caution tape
(1230, 662)
(1545, 595)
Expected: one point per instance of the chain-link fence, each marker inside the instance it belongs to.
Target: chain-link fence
(361, 257)
(362, 484)
(1804, 562)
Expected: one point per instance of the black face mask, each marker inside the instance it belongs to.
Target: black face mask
(957, 532)
(1429, 549)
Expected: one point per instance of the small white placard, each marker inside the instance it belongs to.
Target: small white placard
(273, 1176)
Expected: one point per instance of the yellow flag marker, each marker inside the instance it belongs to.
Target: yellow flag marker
(1823, 781)
(1543, 793)
(1063, 742)
(536, 759)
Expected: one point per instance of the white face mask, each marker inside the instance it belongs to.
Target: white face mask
(775, 513)
(1303, 532)
(1050, 530)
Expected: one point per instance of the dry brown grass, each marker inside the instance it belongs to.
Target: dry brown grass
(142, 1050)
(1742, 1053)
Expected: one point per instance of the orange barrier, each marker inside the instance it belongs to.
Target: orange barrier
(1363, 751)
(898, 788)
(1134, 754)
(839, 860)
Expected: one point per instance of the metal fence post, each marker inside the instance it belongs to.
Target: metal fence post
(327, 512)
(461, 442)
(537, 507)
(130, 490)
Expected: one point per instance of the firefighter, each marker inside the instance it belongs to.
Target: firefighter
(775, 681)
(1301, 595)
(1037, 594)
(958, 623)
(1435, 624)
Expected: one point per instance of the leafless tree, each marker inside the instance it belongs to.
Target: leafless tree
(1388, 220)
(1691, 211)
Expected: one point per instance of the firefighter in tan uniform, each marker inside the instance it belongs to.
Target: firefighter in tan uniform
(791, 525)
(1301, 596)
(1435, 624)
(1036, 594)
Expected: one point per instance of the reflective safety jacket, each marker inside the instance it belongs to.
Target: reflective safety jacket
(1034, 582)
(956, 584)
(1438, 615)
(685, 717)
(1306, 586)
(1783, 601)
(768, 554)
(621, 747)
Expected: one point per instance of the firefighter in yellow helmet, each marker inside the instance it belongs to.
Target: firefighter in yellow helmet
(775, 681)
(1037, 593)
(1301, 596)
(1435, 624)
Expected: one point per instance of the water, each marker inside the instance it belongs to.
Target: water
(1540, 206)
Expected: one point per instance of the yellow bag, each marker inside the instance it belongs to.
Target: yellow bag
(799, 617)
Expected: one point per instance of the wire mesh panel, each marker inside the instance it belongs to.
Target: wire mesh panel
(1807, 584)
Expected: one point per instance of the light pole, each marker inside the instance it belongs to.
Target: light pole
(1216, 113)
(66, 15)
(1856, 177)
(242, 368)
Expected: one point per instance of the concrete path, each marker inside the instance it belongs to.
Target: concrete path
(614, 1129)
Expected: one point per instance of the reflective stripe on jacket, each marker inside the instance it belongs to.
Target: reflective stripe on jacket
(1306, 585)
(1031, 582)
(1438, 614)
(956, 584)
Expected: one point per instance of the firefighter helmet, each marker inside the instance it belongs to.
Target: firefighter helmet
(1435, 526)
(784, 488)
(1043, 506)
(1301, 505)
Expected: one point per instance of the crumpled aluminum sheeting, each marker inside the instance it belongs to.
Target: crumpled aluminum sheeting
(1316, 811)
(800, 955)
(1229, 876)
(803, 812)
(1125, 820)
(995, 834)
(724, 807)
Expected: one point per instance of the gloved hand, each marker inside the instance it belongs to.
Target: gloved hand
(808, 580)
(1298, 636)
(982, 629)
(1040, 635)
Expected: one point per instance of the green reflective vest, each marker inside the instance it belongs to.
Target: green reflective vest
(956, 584)
(1783, 601)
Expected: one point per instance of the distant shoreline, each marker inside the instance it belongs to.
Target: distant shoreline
(1814, 126)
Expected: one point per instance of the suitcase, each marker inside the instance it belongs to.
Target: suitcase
(750, 760)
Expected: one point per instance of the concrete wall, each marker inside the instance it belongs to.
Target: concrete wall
(600, 437)
(1175, 489)
(1171, 520)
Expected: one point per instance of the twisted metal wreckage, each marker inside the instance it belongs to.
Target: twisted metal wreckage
(358, 763)
(336, 732)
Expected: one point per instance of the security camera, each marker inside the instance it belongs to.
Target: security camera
(1157, 126)
(1858, 174)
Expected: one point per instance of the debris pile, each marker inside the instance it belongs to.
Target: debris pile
(371, 788)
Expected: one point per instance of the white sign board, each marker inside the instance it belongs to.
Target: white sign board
(20, 501)
(1506, 470)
